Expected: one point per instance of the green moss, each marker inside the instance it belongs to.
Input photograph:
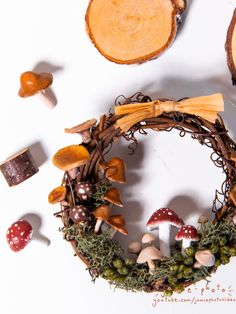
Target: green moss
(99, 190)
(101, 252)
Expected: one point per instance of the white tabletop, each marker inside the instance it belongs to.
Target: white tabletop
(165, 171)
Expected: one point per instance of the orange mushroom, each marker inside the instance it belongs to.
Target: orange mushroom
(71, 157)
(113, 197)
(57, 195)
(115, 170)
(32, 83)
(102, 213)
(83, 129)
(117, 222)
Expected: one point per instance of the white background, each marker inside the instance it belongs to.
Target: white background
(165, 171)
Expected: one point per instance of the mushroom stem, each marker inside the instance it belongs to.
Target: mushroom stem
(164, 235)
(185, 243)
(151, 266)
(86, 136)
(98, 225)
(45, 98)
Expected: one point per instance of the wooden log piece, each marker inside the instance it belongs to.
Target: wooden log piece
(129, 31)
(19, 167)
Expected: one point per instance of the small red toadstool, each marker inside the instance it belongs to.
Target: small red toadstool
(19, 234)
(188, 234)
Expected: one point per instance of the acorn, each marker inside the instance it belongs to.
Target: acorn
(224, 259)
(123, 270)
(117, 262)
(129, 262)
(179, 288)
(232, 251)
(188, 261)
(190, 251)
(168, 293)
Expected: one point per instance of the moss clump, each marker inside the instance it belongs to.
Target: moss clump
(99, 190)
(214, 233)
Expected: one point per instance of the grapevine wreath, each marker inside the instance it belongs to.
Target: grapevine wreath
(86, 196)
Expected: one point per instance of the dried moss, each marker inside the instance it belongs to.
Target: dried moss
(100, 250)
(211, 233)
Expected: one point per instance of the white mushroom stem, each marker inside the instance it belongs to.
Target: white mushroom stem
(185, 243)
(164, 238)
(46, 99)
(98, 225)
(151, 266)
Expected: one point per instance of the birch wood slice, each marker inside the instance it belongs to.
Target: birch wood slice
(19, 168)
(230, 47)
(132, 31)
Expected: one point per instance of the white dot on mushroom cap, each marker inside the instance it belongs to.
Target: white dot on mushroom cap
(22, 233)
(11, 231)
(11, 242)
(155, 218)
(8, 232)
(15, 225)
(169, 213)
(81, 190)
(87, 189)
(186, 231)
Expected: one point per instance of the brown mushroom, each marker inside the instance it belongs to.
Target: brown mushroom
(32, 83)
(115, 170)
(71, 157)
(83, 129)
(102, 213)
(113, 197)
(117, 222)
(57, 195)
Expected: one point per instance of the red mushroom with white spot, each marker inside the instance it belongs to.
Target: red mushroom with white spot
(163, 219)
(19, 234)
(187, 234)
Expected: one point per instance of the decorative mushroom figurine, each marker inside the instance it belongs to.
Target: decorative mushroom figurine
(83, 129)
(204, 258)
(115, 170)
(79, 215)
(187, 233)
(148, 238)
(57, 195)
(19, 234)
(71, 157)
(83, 190)
(163, 219)
(117, 222)
(32, 83)
(135, 247)
(113, 197)
(102, 213)
(149, 255)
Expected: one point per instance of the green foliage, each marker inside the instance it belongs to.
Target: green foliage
(99, 190)
(213, 233)
(104, 255)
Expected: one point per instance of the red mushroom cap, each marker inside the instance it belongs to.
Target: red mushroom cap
(187, 232)
(163, 215)
(19, 234)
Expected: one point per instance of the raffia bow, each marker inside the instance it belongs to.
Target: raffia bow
(206, 107)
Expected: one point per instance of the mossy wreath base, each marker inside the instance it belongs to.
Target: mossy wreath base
(102, 254)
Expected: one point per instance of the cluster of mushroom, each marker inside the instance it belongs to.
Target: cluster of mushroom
(76, 197)
(163, 219)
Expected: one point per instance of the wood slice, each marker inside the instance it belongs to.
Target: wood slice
(131, 31)
(19, 168)
(230, 47)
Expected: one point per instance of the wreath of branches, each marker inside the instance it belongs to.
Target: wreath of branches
(99, 251)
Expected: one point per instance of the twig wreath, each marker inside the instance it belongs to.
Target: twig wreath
(86, 197)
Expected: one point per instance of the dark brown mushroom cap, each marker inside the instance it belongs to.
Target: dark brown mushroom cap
(79, 214)
(32, 83)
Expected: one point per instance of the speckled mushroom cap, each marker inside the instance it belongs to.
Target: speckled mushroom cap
(164, 215)
(187, 232)
(147, 254)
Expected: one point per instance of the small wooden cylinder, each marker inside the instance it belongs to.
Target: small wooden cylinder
(19, 168)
